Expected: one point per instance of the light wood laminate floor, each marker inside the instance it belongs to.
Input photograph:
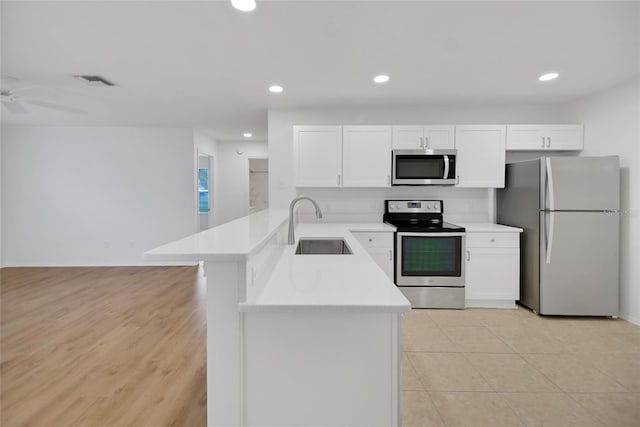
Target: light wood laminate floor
(103, 347)
(126, 347)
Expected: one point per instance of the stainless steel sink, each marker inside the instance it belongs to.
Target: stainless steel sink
(319, 246)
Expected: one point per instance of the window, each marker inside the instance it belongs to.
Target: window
(203, 190)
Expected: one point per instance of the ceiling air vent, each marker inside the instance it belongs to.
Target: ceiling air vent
(94, 80)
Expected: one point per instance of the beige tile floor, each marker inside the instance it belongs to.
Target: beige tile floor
(484, 367)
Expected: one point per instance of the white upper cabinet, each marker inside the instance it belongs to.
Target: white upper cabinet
(417, 137)
(544, 137)
(366, 156)
(565, 137)
(407, 137)
(317, 154)
(481, 155)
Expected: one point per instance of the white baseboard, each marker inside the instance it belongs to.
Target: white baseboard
(489, 303)
(631, 319)
(141, 264)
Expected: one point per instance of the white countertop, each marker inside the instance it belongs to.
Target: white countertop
(481, 227)
(298, 282)
(233, 240)
(303, 282)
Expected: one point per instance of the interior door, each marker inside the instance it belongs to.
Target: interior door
(579, 262)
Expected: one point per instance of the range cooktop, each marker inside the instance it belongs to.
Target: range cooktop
(418, 216)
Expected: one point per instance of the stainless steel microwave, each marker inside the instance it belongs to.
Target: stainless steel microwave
(423, 167)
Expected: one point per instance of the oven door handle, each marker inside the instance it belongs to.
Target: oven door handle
(428, 234)
(446, 166)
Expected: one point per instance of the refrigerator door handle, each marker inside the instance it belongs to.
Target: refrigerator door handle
(550, 237)
(551, 205)
(551, 208)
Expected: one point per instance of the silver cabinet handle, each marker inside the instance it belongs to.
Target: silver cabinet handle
(390, 254)
(421, 142)
(338, 179)
(426, 142)
(543, 142)
(548, 142)
(468, 256)
(388, 179)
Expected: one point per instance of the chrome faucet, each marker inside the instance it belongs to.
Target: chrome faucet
(292, 238)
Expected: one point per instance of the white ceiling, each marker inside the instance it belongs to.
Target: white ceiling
(205, 64)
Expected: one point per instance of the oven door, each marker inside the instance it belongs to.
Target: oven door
(417, 167)
(429, 259)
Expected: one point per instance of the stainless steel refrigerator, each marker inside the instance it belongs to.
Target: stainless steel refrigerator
(569, 252)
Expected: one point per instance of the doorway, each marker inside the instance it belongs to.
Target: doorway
(258, 185)
(205, 190)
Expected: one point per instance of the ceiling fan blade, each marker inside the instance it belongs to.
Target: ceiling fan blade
(13, 107)
(51, 105)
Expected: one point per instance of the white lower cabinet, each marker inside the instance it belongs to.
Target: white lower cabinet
(379, 244)
(492, 269)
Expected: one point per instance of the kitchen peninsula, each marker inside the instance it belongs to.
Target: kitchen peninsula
(295, 339)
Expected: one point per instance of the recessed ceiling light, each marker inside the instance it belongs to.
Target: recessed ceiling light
(382, 78)
(244, 5)
(247, 135)
(276, 89)
(548, 76)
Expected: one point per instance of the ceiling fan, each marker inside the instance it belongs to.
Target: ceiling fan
(15, 101)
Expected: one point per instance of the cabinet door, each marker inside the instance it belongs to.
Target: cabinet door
(384, 258)
(492, 274)
(481, 155)
(544, 137)
(526, 137)
(439, 137)
(565, 137)
(408, 137)
(317, 156)
(366, 156)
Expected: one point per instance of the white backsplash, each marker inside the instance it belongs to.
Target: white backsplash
(367, 204)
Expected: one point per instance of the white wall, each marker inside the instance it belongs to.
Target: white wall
(205, 144)
(94, 196)
(612, 126)
(233, 173)
(1, 191)
(345, 204)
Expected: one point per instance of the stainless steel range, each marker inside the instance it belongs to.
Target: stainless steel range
(429, 267)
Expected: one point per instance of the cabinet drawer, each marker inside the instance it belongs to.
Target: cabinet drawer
(374, 239)
(493, 240)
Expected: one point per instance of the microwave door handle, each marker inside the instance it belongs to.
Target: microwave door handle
(446, 167)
